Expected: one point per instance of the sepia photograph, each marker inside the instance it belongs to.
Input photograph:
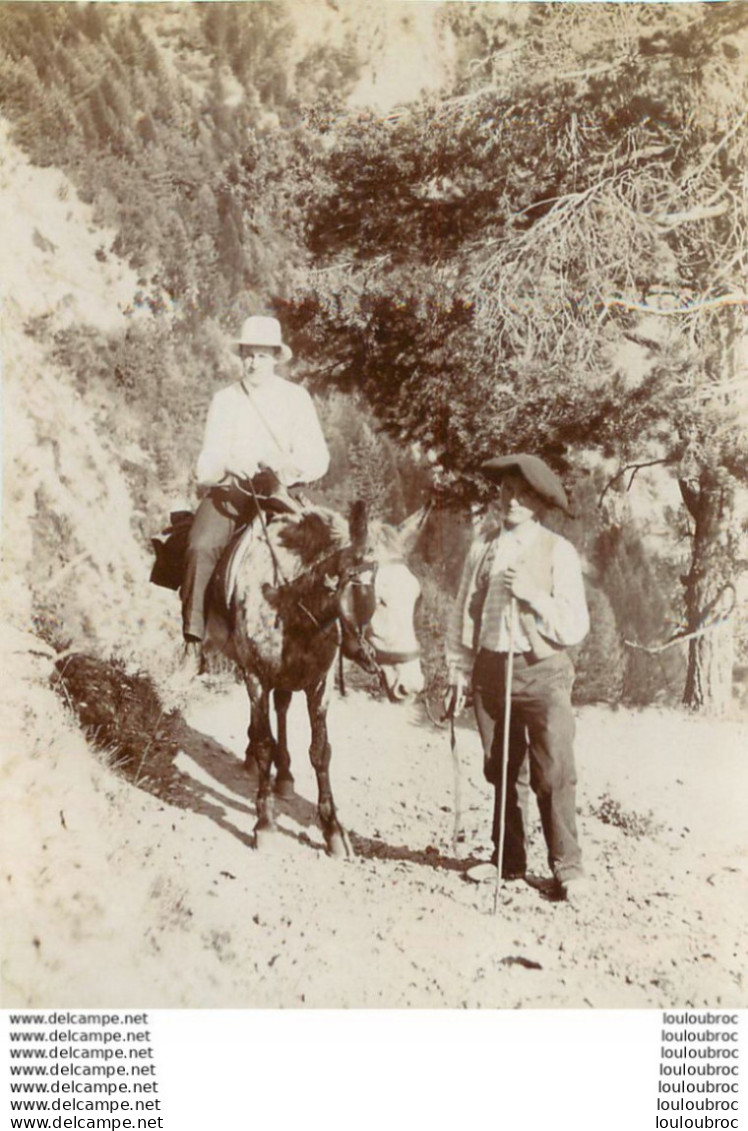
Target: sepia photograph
(374, 516)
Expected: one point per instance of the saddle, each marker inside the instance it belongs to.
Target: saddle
(269, 502)
(218, 623)
(245, 499)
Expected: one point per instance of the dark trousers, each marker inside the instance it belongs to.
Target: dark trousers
(486, 729)
(216, 519)
(541, 726)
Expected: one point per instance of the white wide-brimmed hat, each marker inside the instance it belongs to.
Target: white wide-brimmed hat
(259, 330)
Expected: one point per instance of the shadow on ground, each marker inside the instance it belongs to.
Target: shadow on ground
(223, 789)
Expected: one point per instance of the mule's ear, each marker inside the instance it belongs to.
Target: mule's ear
(410, 529)
(358, 524)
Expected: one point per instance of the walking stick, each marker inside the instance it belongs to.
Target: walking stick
(456, 779)
(505, 752)
(448, 719)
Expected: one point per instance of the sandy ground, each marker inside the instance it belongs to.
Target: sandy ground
(118, 898)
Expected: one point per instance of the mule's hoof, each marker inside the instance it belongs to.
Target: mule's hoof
(338, 847)
(284, 787)
(265, 838)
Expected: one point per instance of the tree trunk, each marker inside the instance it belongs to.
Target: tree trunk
(710, 655)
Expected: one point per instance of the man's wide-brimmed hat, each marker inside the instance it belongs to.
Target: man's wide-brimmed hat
(260, 330)
(536, 473)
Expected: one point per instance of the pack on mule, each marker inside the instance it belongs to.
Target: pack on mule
(295, 590)
(170, 547)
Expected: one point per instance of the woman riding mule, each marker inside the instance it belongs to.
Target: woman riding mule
(262, 427)
(284, 595)
(296, 590)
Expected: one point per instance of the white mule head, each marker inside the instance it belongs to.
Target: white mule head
(392, 627)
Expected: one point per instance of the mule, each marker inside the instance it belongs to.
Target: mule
(301, 587)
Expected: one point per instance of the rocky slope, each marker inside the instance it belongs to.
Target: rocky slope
(74, 569)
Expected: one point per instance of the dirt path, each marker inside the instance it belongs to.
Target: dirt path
(122, 899)
(400, 926)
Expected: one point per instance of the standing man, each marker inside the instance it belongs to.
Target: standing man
(533, 575)
(461, 657)
(260, 424)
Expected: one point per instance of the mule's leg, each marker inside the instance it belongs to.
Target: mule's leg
(259, 731)
(260, 751)
(335, 836)
(284, 777)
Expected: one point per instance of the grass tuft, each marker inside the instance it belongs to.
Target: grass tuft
(611, 812)
(123, 716)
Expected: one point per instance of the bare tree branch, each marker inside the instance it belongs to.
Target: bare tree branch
(634, 468)
(738, 298)
(692, 215)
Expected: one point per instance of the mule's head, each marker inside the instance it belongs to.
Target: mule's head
(378, 604)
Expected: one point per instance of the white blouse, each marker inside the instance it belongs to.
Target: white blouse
(274, 423)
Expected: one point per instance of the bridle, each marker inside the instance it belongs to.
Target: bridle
(355, 616)
(356, 580)
(354, 598)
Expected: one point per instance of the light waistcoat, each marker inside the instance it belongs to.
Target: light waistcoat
(489, 607)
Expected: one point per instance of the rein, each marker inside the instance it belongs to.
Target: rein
(263, 524)
(389, 658)
(356, 626)
(364, 602)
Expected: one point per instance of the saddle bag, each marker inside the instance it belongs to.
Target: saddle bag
(170, 548)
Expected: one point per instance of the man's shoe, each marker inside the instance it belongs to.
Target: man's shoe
(576, 891)
(485, 873)
(508, 872)
(192, 659)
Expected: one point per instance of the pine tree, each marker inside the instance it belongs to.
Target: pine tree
(487, 262)
(370, 472)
